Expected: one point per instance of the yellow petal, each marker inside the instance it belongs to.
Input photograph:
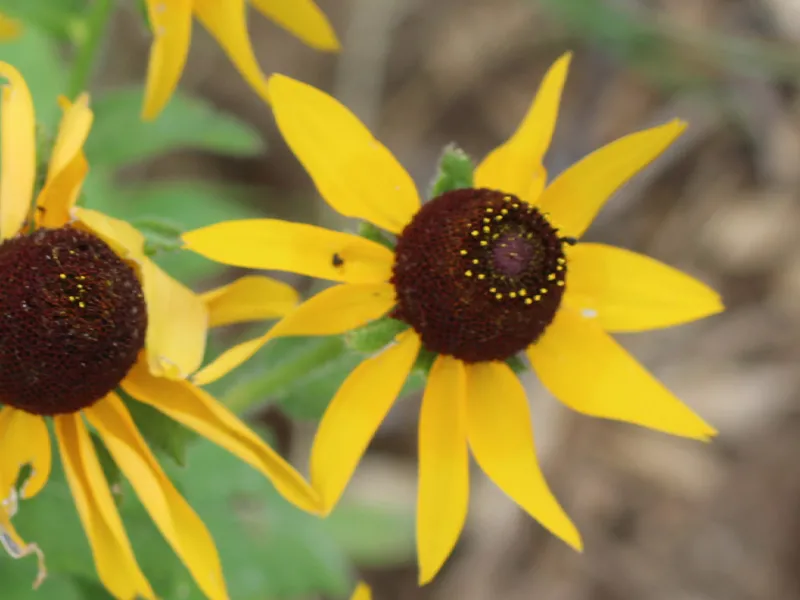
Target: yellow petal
(249, 298)
(123, 237)
(332, 311)
(501, 439)
(68, 166)
(23, 441)
(171, 21)
(577, 195)
(588, 371)
(9, 28)
(177, 317)
(632, 292)
(295, 247)
(443, 494)
(113, 555)
(199, 411)
(17, 150)
(176, 520)
(227, 22)
(354, 415)
(353, 171)
(177, 324)
(517, 167)
(303, 18)
(362, 592)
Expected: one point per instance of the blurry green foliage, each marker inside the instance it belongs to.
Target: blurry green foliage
(119, 136)
(269, 549)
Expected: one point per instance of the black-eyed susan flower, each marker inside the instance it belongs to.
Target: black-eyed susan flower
(83, 312)
(171, 22)
(479, 275)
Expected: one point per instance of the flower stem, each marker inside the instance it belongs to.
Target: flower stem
(88, 35)
(246, 394)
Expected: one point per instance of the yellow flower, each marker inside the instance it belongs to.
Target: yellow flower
(9, 28)
(479, 275)
(85, 311)
(362, 592)
(171, 21)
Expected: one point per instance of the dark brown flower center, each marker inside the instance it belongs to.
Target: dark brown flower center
(479, 274)
(72, 320)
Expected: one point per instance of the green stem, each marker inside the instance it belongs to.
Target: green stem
(91, 34)
(244, 395)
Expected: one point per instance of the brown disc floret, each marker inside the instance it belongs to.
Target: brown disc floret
(72, 320)
(479, 274)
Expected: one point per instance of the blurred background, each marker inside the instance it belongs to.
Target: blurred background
(662, 518)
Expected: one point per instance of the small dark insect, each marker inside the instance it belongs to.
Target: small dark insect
(569, 240)
(337, 261)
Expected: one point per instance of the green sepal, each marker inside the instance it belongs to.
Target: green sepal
(160, 234)
(372, 233)
(516, 363)
(455, 172)
(374, 336)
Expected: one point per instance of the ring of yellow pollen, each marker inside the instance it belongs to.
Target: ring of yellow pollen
(478, 274)
(72, 320)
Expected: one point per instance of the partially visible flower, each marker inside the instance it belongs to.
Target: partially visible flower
(362, 592)
(226, 20)
(479, 275)
(83, 311)
(9, 28)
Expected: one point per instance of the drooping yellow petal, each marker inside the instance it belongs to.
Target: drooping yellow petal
(68, 166)
(15, 545)
(517, 166)
(362, 592)
(176, 520)
(443, 494)
(501, 439)
(352, 170)
(354, 415)
(124, 238)
(171, 21)
(177, 317)
(17, 150)
(23, 441)
(632, 292)
(303, 18)
(177, 324)
(295, 247)
(227, 22)
(588, 371)
(249, 298)
(577, 195)
(9, 28)
(113, 555)
(198, 410)
(332, 311)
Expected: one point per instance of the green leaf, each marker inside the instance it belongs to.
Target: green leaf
(161, 433)
(455, 172)
(119, 136)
